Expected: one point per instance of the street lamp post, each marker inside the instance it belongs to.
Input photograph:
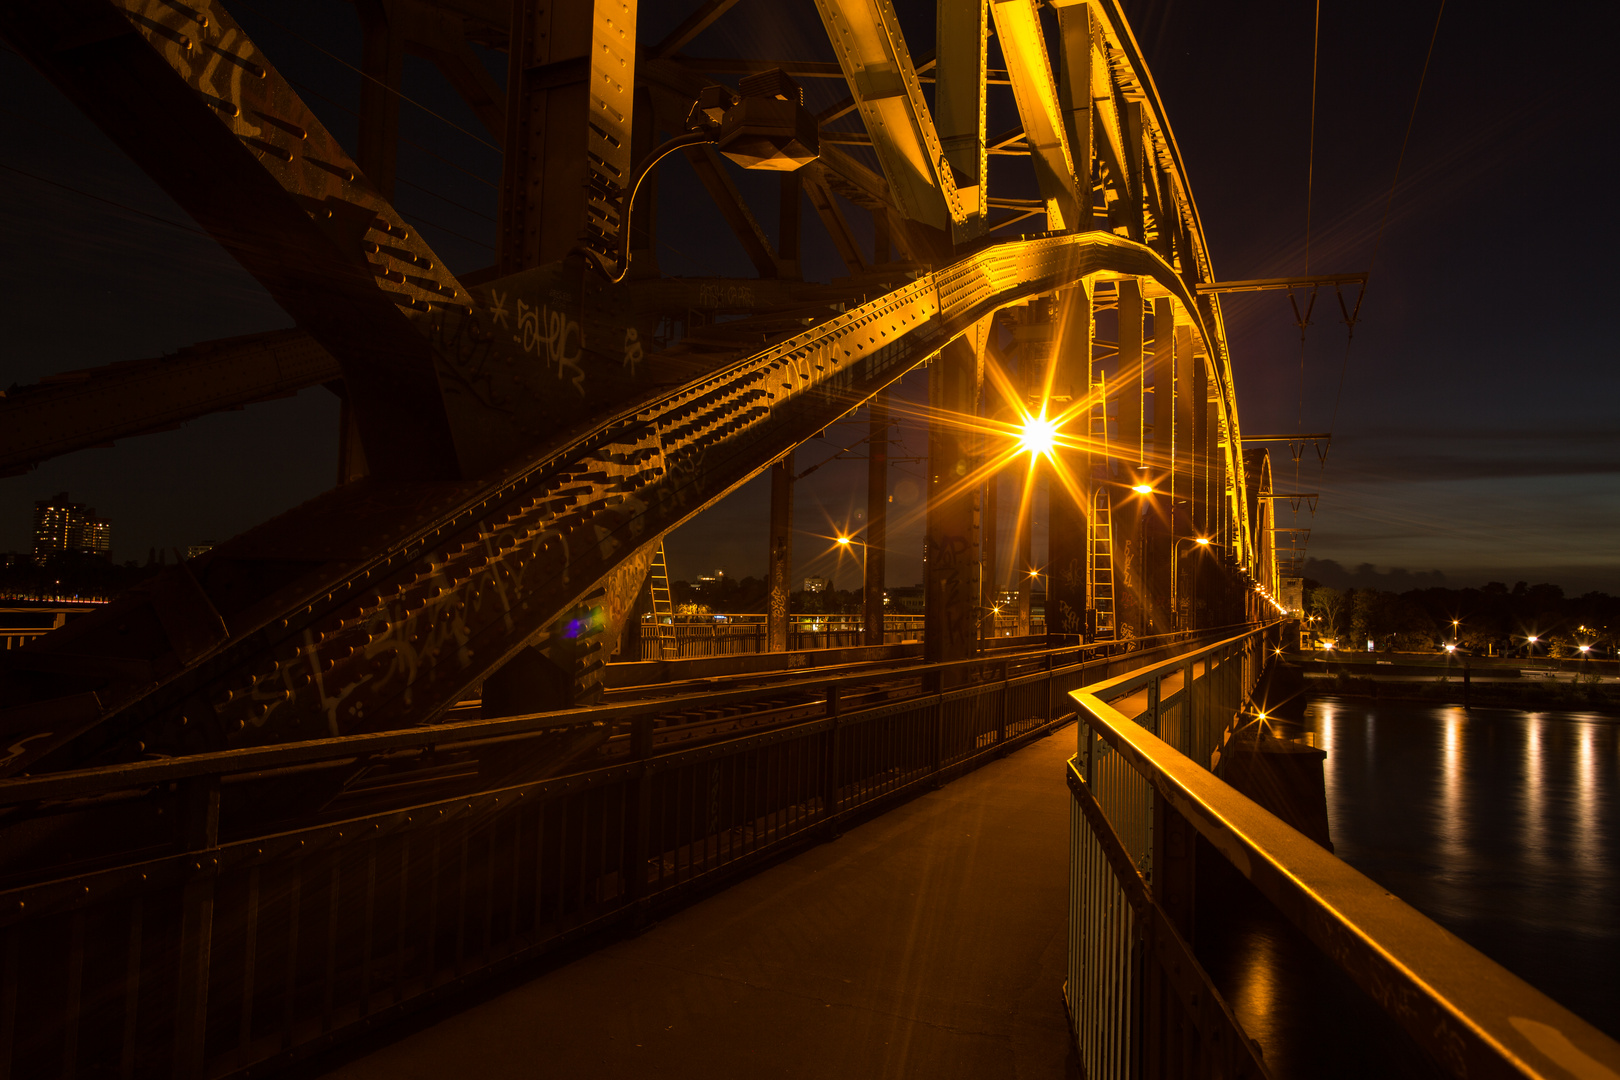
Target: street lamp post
(1175, 573)
(1046, 597)
(845, 542)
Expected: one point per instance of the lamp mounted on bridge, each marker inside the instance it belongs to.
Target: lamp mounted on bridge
(1038, 435)
(767, 128)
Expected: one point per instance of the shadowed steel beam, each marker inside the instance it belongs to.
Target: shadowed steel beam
(1267, 284)
(440, 35)
(959, 96)
(382, 62)
(191, 99)
(1018, 28)
(1074, 98)
(92, 408)
(952, 566)
(780, 574)
(832, 217)
(711, 171)
(570, 86)
(866, 36)
(874, 537)
(694, 24)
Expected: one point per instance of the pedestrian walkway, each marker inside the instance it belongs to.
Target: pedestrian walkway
(929, 942)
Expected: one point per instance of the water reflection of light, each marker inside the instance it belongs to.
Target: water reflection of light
(1453, 826)
(1533, 792)
(1255, 998)
(1326, 739)
(1587, 819)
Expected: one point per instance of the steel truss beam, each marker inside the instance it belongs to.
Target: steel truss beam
(380, 605)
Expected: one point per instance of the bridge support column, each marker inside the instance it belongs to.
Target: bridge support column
(1184, 511)
(562, 667)
(951, 564)
(877, 517)
(989, 540)
(1159, 517)
(1127, 508)
(1068, 492)
(781, 556)
(569, 106)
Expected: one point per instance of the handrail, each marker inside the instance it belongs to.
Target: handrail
(79, 783)
(1477, 1018)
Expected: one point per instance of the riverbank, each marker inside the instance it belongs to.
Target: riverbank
(1526, 694)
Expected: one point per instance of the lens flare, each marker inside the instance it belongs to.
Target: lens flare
(1038, 435)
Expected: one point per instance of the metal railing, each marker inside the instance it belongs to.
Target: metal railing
(20, 625)
(228, 945)
(698, 636)
(1140, 1005)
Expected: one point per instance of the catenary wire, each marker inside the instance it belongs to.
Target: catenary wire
(1383, 221)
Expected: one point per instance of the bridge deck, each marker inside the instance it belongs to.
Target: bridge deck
(927, 942)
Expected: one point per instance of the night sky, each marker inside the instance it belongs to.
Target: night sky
(1475, 435)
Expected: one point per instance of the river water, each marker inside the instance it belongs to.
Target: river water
(1501, 825)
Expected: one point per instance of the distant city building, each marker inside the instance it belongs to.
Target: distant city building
(704, 581)
(1291, 594)
(816, 584)
(906, 600)
(61, 526)
(196, 550)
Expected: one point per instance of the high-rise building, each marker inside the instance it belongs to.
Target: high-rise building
(61, 526)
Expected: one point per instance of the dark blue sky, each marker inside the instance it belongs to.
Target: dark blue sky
(1476, 430)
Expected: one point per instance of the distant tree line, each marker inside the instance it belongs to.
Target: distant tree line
(1478, 620)
(71, 575)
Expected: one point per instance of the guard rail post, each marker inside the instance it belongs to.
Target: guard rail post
(830, 777)
(199, 837)
(641, 750)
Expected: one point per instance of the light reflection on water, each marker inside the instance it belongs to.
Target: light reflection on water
(1503, 826)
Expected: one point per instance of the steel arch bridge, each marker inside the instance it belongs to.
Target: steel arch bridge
(518, 441)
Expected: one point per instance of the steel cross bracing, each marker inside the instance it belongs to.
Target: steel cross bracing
(523, 449)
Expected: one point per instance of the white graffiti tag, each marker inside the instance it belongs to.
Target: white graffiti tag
(543, 332)
(632, 349)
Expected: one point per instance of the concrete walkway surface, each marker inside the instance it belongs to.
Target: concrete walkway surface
(928, 942)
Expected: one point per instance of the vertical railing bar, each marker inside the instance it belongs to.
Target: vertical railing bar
(132, 995)
(329, 990)
(517, 875)
(8, 1000)
(489, 891)
(250, 956)
(584, 850)
(368, 925)
(463, 832)
(75, 991)
(435, 864)
(403, 930)
(294, 905)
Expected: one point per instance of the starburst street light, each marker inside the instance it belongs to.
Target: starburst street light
(1038, 435)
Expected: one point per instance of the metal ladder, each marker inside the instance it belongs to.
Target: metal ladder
(1100, 526)
(1100, 557)
(663, 607)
